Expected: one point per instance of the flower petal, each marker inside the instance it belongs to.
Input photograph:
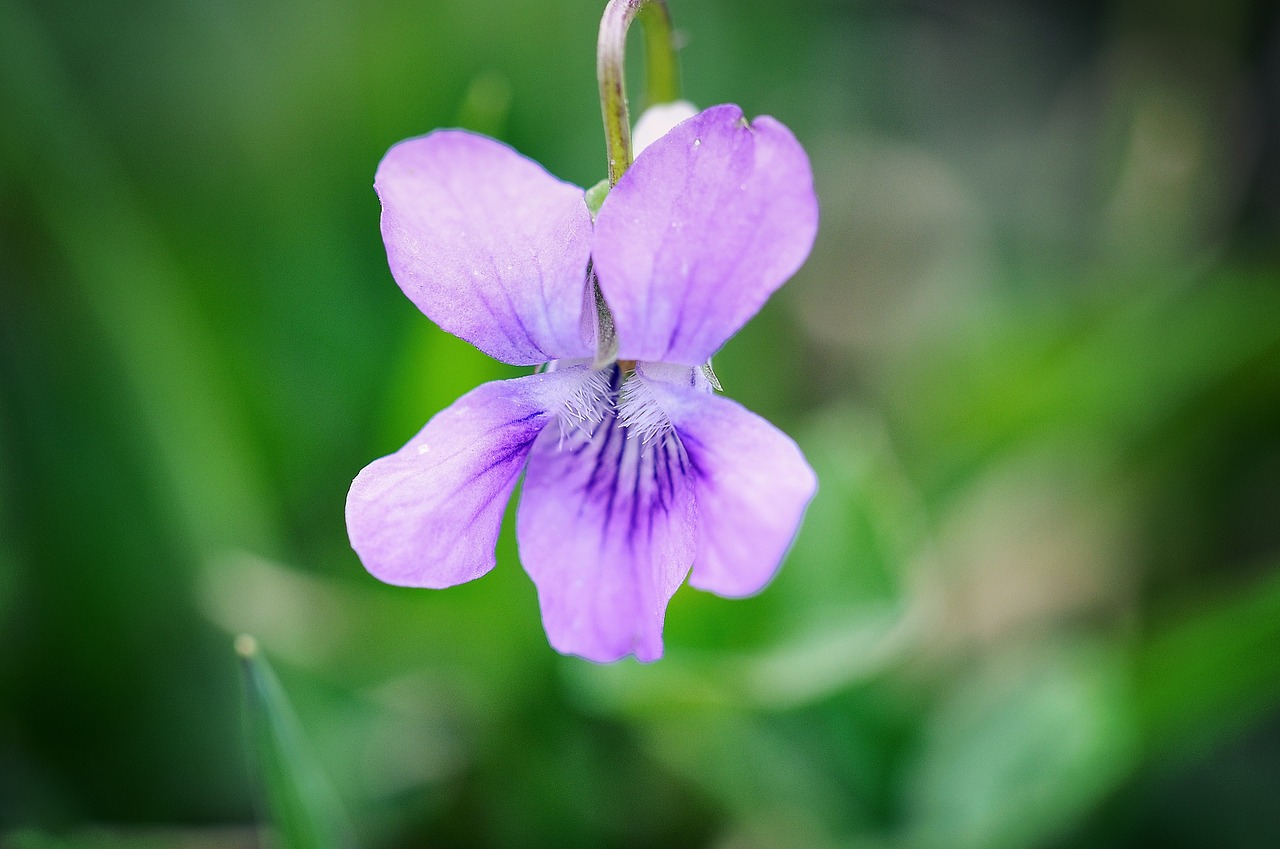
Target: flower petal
(751, 484)
(710, 220)
(428, 515)
(488, 244)
(606, 528)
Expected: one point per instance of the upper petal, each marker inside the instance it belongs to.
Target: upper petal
(487, 243)
(751, 483)
(705, 225)
(606, 530)
(429, 514)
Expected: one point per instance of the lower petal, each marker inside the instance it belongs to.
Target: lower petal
(751, 483)
(606, 527)
(429, 514)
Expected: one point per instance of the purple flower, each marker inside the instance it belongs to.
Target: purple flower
(636, 472)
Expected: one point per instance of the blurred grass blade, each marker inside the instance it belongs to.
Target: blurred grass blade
(121, 266)
(294, 793)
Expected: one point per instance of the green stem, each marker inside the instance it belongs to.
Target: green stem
(662, 83)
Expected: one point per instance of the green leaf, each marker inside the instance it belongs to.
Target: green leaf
(294, 793)
(1212, 671)
(596, 195)
(1022, 748)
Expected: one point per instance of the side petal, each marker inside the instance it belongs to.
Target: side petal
(429, 514)
(751, 483)
(488, 244)
(710, 220)
(606, 528)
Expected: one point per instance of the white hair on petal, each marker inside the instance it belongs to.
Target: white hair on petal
(585, 405)
(639, 411)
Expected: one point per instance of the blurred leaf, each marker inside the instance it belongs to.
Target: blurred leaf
(102, 838)
(482, 636)
(752, 770)
(1212, 671)
(844, 649)
(866, 529)
(295, 794)
(1111, 372)
(486, 104)
(1021, 749)
(435, 369)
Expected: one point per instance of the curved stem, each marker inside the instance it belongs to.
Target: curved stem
(662, 83)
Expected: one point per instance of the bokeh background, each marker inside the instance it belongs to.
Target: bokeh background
(1035, 359)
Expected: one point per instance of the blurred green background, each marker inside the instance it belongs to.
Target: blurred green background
(1035, 359)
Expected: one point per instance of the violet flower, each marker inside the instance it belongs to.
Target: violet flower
(636, 472)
